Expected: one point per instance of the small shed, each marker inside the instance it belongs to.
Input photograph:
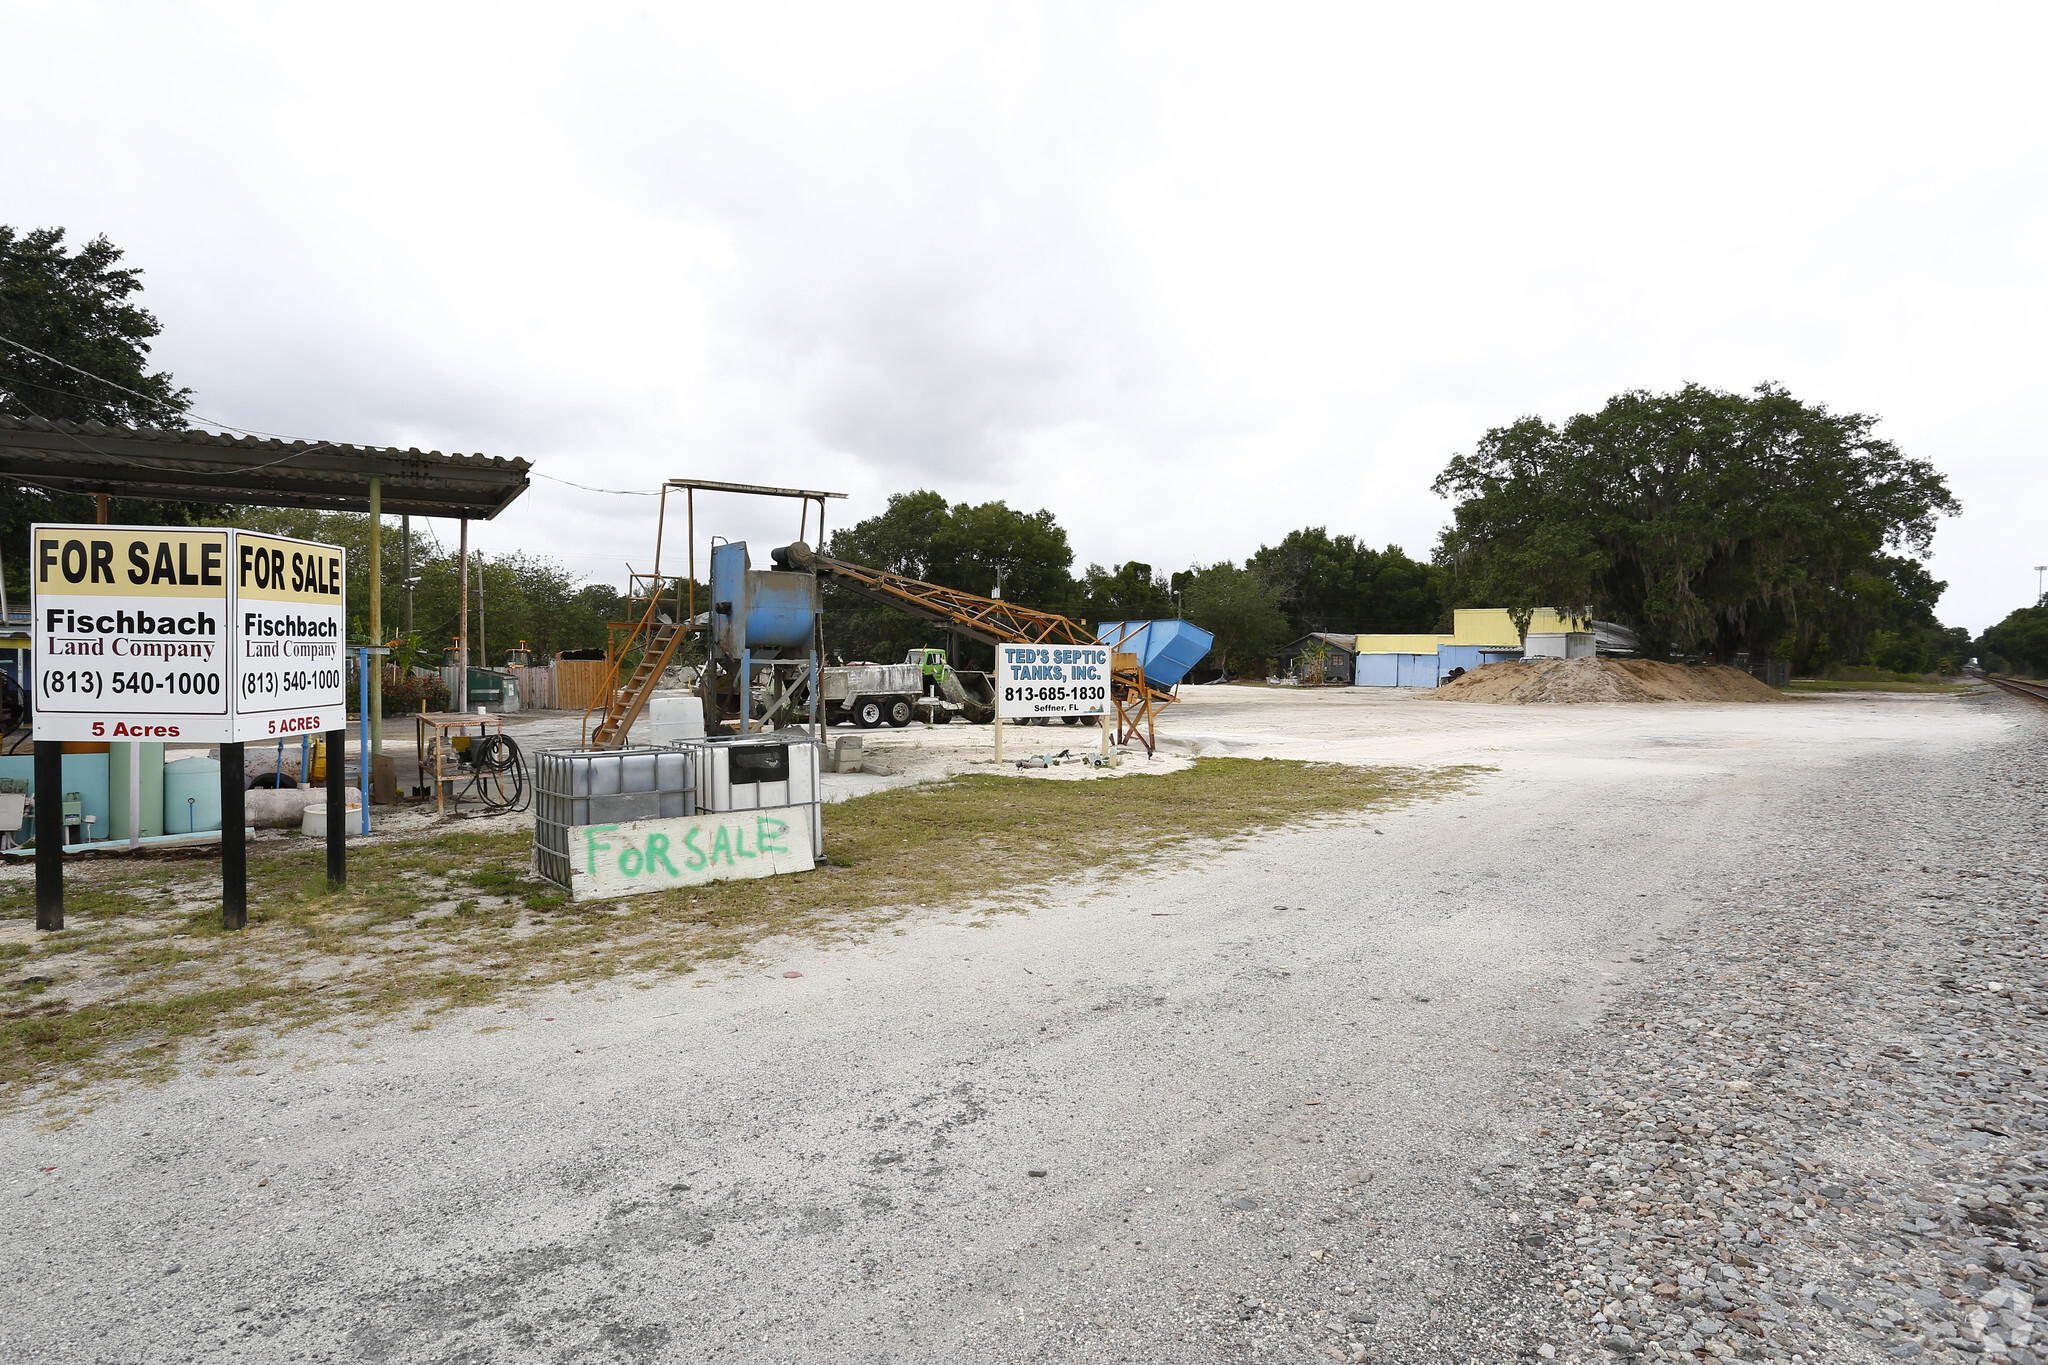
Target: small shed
(1322, 656)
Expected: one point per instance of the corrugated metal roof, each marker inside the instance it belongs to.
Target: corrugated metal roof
(1347, 643)
(195, 465)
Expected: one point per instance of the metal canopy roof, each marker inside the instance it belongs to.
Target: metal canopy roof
(203, 466)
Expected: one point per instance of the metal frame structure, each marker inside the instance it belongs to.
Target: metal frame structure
(652, 642)
(805, 497)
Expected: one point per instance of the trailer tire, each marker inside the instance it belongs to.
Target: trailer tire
(867, 713)
(899, 713)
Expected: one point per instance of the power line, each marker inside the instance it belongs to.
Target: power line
(273, 435)
(102, 379)
(153, 398)
(622, 492)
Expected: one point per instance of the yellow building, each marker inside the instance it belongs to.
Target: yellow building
(1477, 626)
(1479, 636)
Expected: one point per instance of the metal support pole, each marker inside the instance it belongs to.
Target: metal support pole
(234, 846)
(660, 522)
(405, 535)
(337, 800)
(49, 834)
(376, 708)
(462, 674)
(363, 754)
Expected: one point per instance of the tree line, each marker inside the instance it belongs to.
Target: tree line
(1711, 523)
(1310, 581)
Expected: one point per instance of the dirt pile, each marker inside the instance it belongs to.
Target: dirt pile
(1525, 681)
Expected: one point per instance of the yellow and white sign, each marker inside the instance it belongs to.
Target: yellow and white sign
(689, 850)
(289, 631)
(130, 632)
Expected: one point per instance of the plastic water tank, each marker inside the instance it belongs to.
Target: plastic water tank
(191, 795)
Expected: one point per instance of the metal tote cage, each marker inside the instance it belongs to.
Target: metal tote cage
(574, 787)
(760, 772)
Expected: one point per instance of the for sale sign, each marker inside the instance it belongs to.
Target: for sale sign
(1051, 680)
(689, 850)
(131, 633)
(289, 635)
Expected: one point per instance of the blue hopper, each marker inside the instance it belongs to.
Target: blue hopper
(1166, 650)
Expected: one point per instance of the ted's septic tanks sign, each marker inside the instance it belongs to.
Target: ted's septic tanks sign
(1051, 680)
(175, 633)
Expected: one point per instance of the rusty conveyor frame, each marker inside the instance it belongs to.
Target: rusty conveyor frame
(1136, 700)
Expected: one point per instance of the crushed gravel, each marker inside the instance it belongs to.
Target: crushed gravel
(1822, 1132)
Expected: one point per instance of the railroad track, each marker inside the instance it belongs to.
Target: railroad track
(2038, 691)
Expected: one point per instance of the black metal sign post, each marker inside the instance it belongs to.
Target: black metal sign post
(234, 841)
(337, 800)
(49, 834)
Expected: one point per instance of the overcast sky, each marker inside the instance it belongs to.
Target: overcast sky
(1190, 277)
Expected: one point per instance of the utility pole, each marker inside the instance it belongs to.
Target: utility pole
(375, 661)
(405, 534)
(483, 649)
(2039, 569)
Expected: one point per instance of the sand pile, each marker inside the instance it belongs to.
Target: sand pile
(1574, 680)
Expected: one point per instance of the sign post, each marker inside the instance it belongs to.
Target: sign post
(160, 633)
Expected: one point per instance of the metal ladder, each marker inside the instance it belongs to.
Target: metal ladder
(623, 701)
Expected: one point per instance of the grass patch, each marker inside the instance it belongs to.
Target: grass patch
(456, 919)
(1878, 685)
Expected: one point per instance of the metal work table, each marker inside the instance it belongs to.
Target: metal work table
(440, 744)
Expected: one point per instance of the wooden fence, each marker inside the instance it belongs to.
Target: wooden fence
(536, 687)
(579, 683)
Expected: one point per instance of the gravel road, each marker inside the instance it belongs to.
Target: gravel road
(1649, 1041)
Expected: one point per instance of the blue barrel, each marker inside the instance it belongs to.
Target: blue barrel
(191, 796)
(757, 609)
(781, 608)
(1166, 650)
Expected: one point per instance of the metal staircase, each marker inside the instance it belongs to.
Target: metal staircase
(651, 638)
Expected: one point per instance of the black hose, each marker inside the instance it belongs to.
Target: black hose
(497, 765)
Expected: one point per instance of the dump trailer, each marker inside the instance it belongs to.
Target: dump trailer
(868, 695)
(924, 684)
